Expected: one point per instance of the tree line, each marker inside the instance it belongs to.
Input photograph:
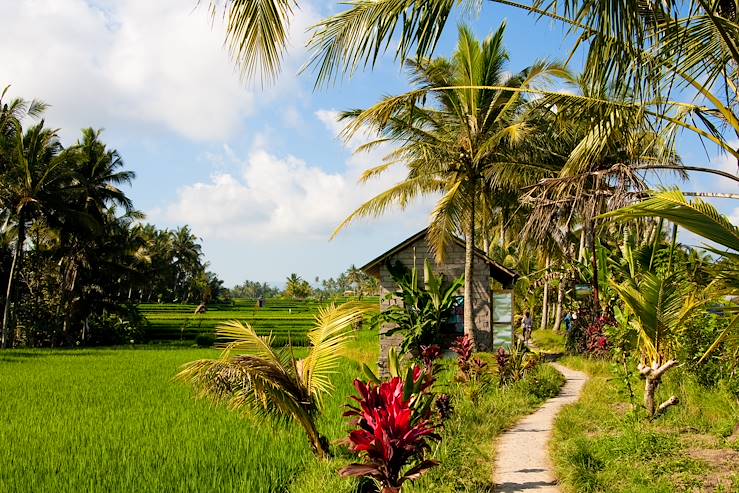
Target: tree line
(352, 282)
(74, 254)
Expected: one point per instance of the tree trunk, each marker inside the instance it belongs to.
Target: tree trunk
(317, 442)
(594, 263)
(560, 300)
(469, 254)
(653, 377)
(8, 326)
(545, 300)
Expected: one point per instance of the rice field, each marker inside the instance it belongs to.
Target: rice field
(114, 420)
(287, 320)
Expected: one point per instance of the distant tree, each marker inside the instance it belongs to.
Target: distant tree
(297, 287)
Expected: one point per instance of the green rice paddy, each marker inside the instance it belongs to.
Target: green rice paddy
(287, 320)
(114, 420)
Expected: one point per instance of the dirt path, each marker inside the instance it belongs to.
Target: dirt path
(522, 463)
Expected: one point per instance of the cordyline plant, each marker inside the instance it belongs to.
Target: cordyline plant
(513, 365)
(394, 429)
(252, 375)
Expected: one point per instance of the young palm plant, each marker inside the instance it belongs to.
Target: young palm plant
(704, 220)
(659, 306)
(251, 375)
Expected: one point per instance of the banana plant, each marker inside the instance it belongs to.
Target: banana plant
(425, 308)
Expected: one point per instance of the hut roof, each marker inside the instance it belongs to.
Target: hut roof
(507, 277)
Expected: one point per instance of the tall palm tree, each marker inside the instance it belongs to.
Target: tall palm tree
(251, 375)
(186, 252)
(451, 142)
(651, 49)
(601, 159)
(32, 185)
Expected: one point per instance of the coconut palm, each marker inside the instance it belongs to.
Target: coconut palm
(456, 144)
(251, 375)
(658, 307)
(704, 220)
(32, 185)
(650, 49)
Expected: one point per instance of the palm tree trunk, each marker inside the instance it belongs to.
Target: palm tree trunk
(545, 301)
(560, 300)
(594, 264)
(7, 328)
(318, 442)
(469, 254)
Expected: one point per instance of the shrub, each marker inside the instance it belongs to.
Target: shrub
(588, 334)
(514, 365)
(464, 348)
(204, 340)
(393, 430)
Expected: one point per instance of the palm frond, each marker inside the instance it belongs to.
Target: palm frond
(697, 216)
(257, 33)
(328, 341)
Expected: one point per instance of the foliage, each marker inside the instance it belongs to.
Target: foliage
(73, 253)
(515, 364)
(464, 349)
(253, 289)
(425, 309)
(297, 287)
(704, 220)
(251, 375)
(589, 333)
(393, 434)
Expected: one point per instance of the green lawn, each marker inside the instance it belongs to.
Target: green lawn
(599, 445)
(105, 420)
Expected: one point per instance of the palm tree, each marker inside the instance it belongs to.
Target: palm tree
(252, 375)
(704, 220)
(601, 159)
(31, 186)
(659, 307)
(650, 49)
(186, 252)
(457, 146)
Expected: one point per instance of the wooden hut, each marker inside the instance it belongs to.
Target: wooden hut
(491, 325)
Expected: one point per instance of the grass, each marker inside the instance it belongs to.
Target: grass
(601, 444)
(548, 341)
(287, 320)
(467, 449)
(106, 420)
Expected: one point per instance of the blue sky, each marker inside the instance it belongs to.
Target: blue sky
(258, 174)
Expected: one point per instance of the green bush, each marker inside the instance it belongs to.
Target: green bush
(205, 340)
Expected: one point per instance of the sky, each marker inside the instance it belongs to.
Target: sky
(260, 174)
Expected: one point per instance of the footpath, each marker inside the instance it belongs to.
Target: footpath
(523, 463)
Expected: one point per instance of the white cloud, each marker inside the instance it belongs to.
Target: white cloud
(728, 164)
(272, 198)
(133, 62)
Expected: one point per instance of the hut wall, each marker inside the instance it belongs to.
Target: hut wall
(452, 268)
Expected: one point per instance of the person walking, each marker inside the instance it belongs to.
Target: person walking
(527, 323)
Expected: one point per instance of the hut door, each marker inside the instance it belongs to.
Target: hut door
(502, 317)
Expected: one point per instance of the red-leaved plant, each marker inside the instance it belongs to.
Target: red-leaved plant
(464, 348)
(394, 428)
(429, 356)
